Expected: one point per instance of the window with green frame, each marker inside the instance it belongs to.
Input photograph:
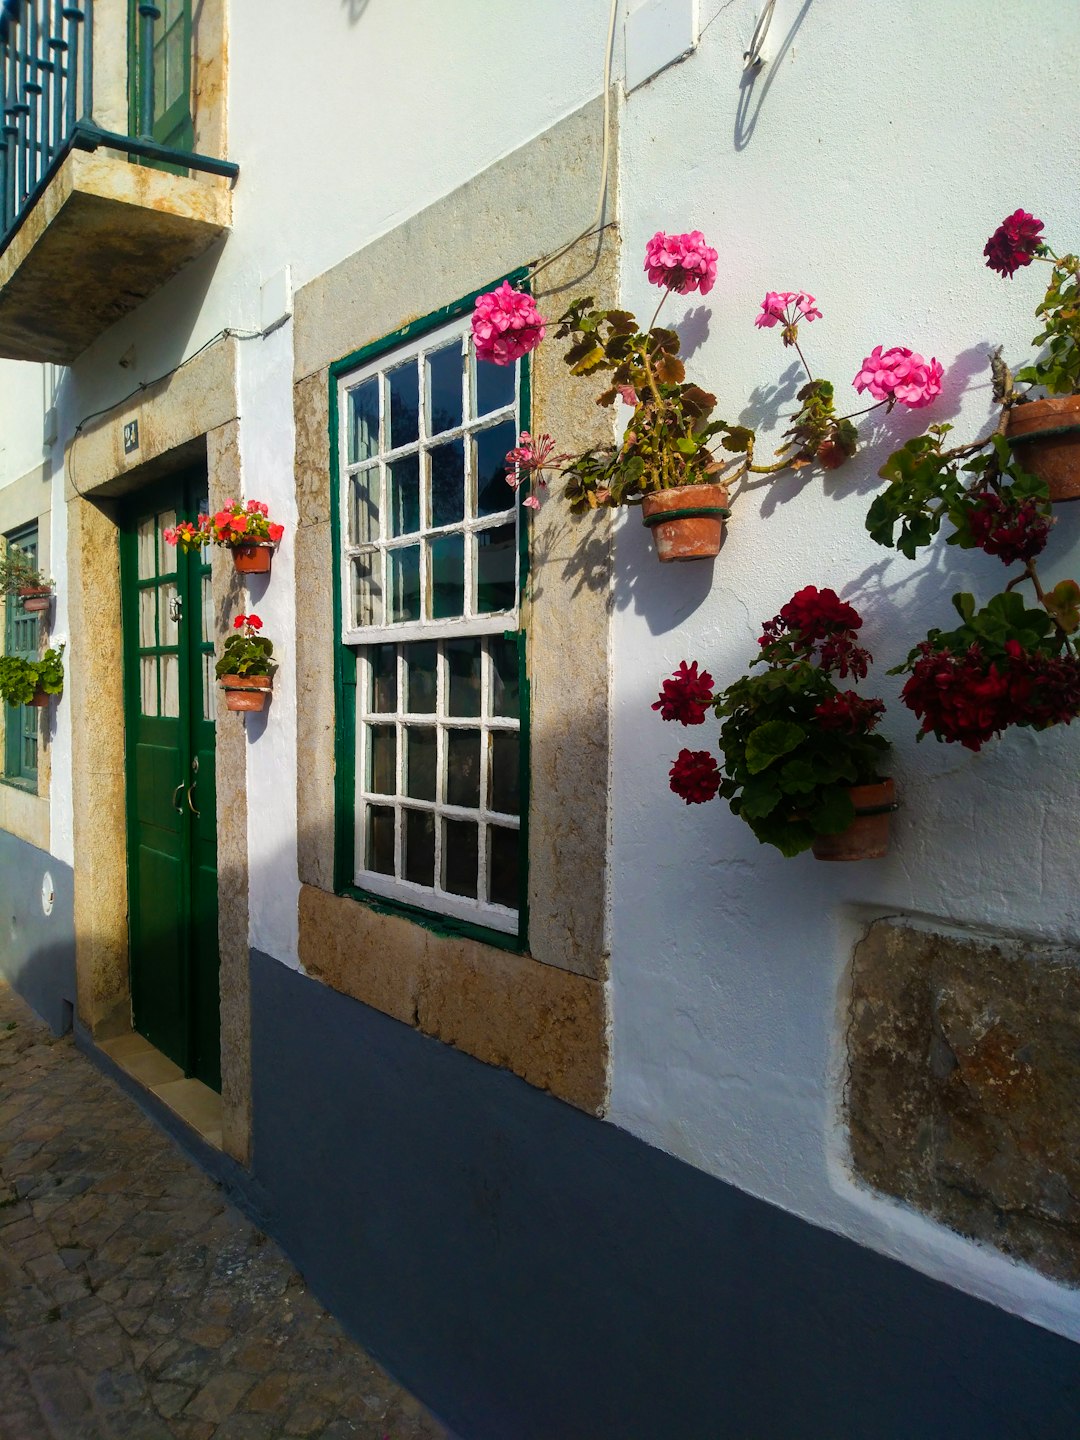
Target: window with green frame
(431, 556)
(173, 123)
(21, 638)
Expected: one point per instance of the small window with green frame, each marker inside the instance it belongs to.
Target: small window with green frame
(173, 123)
(21, 639)
(431, 554)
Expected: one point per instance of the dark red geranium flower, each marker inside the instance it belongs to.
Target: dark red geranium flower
(695, 776)
(1014, 243)
(1009, 528)
(816, 613)
(686, 696)
(849, 712)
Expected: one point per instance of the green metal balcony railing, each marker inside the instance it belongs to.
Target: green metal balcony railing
(47, 70)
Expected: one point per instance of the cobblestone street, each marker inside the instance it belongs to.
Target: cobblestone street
(135, 1301)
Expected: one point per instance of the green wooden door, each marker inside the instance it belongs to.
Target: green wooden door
(172, 848)
(173, 123)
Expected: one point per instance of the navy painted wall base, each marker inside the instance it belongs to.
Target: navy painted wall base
(534, 1274)
(37, 951)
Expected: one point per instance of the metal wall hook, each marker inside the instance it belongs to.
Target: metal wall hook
(753, 58)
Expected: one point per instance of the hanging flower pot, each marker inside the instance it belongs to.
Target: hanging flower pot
(253, 557)
(39, 699)
(1046, 437)
(33, 599)
(246, 692)
(687, 523)
(867, 837)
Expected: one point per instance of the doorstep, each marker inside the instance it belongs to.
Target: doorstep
(195, 1103)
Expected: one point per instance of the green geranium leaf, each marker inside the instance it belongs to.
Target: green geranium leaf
(833, 813)
(770, 741)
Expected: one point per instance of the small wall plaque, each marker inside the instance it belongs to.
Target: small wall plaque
(131, 436)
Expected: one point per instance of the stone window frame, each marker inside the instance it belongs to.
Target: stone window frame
(450, 914)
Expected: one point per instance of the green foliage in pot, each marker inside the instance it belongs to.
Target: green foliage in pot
(18, 572)
(246, 653)
(21, 679)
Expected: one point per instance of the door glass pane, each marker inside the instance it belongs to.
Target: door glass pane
(170, 686)
(496, 569)
(403, 386)
(148, 685)
(463, 667)
(444, 375)
(208, 686)
(505, 699)
(147, 619)
(463, 768)
(364, 421)
(420, 783)
(422, 660)
(503, 852)
(166, 553)
(382, 759)
(207, 608)
(503, 789)
(170, 634)
(446, 571)
(493, 494)
(403, 477)
(174, 65)
(420, 847)
(146, 542)
(448, 483)
(405, 584)
(379, 847)
(459, 857)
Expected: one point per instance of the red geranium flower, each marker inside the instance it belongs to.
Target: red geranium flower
(254, 622)
(695, 776)
(686, 696)
(848, 711)
(1014, 243)
(275, 532)
(240, 621)
(1009, 528)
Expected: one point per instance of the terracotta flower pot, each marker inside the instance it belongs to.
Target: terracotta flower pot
(253, 557)
(1046, 437)
(687, 523)
(39, 700)
(246, 692)
(34, 600)
(867, 837)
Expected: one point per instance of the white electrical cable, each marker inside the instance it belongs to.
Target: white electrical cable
(605, 153)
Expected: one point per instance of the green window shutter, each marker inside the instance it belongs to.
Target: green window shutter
(173, 121)
(21, 639)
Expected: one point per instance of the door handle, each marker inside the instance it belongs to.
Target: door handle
(191, 807)
(178, 808)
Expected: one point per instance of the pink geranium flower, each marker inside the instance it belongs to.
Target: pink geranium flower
(681, 262)
(787, 308)
(900, 374)
(506, 325)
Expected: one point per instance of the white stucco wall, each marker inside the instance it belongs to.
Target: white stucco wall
(876, 153)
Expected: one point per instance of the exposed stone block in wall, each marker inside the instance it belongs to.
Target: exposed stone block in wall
(963, 1091)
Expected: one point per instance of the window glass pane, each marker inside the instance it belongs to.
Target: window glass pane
(367, 590)
(166, 553)
(422, 660)
(147, 619)
(146, 542)
(174, 65)
(382, 759)
(448, 483)
(379, 847)
(421, 750)
(207, 611)
(493, 494)
(459, 857)
(405, 584)
(403, 477)
(503, 851)
(148, 686)
(383, 660)
(503, 786)
(463, 668)
(420, 847)
(208, 687)
(403, 385)
(363, 420)
(364, 510)
(505, 699)
(446, 572)
(494, 386)
(444, 374)
(463, 768)
(496, 569)
(170, 686)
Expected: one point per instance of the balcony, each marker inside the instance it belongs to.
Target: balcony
(102, 203)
